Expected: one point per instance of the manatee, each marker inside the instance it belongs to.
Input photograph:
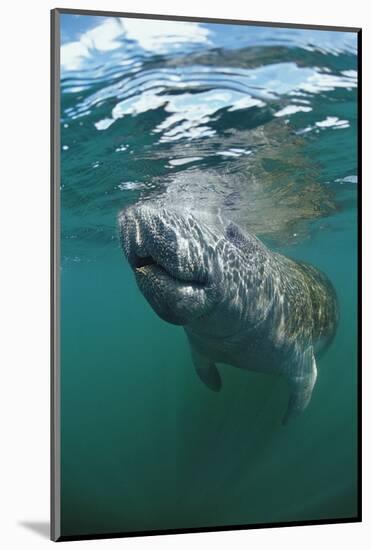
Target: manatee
(239, 302)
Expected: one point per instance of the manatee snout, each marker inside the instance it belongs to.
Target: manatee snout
(172, 266)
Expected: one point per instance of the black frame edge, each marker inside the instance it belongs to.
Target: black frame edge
(161, 532)
(104, 13)
(359, 271)
(55, 522)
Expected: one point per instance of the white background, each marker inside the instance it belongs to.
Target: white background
(24, 272)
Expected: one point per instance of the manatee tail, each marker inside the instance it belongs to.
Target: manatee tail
(301, 377)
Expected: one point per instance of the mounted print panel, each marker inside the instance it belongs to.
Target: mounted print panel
(205, 274)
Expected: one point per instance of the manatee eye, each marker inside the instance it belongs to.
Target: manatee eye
(235, 236)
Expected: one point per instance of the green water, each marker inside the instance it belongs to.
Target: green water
(144, 444)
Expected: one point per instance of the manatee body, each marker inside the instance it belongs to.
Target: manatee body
(239, 302)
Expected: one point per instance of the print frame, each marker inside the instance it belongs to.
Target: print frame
(56, 533)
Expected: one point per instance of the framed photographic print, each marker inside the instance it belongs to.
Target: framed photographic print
(205, 274)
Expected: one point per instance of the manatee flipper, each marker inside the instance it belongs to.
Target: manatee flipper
(207, 371)
(301, 377)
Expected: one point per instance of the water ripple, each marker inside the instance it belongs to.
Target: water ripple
(194, 113)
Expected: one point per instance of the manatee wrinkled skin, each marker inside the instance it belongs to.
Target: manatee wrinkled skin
(239, 302)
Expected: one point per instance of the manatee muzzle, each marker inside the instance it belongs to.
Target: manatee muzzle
(165, 253)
